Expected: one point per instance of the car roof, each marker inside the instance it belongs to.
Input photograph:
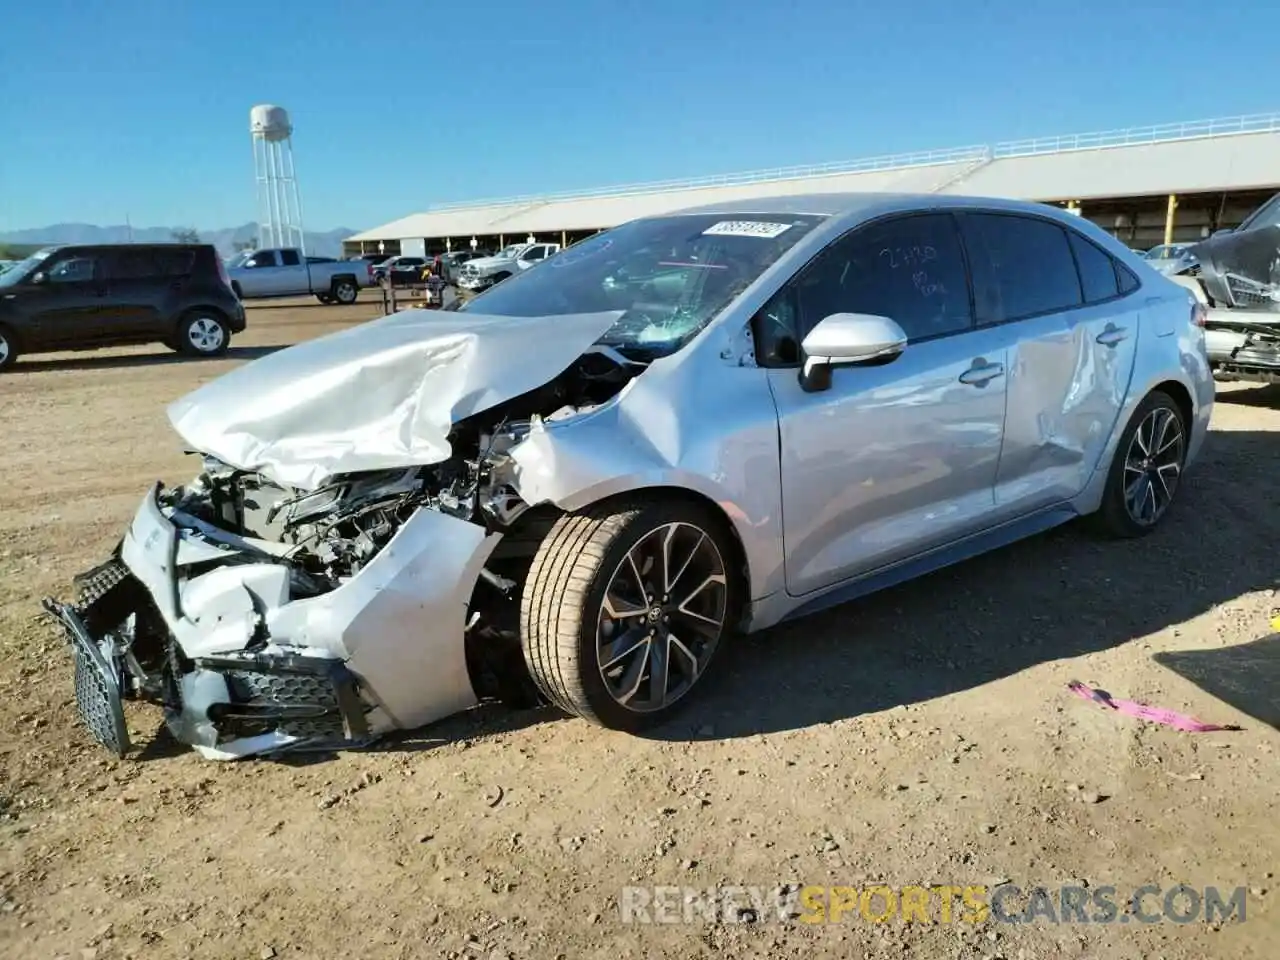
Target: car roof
(857, 205)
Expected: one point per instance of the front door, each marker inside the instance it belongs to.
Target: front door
(65, 307)
(896, 459)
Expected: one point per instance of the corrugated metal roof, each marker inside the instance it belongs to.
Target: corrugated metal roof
(1234, 154)
(1247, 161)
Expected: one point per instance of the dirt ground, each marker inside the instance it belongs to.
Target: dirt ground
(923, 736)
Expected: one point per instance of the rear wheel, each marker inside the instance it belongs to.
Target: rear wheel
(625, 607)
(1147, 469)
(8, 348)
(203, 333)
(344, 291)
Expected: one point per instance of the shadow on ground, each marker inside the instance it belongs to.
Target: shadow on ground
(1258, 396)
(1057, 596)
(1064, 594)
(161, 356)
(1247, 676)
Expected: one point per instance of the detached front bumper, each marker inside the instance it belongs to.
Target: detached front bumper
(204, 621)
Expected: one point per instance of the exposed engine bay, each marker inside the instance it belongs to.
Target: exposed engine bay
(275, 562)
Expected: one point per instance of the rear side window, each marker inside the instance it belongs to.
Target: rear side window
(1022, 267)
(175, 263)
(144, 264)
(1097, 270)
(290, 258)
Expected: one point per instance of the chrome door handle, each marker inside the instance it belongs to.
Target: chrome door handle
(982, 373)
(1112, 335)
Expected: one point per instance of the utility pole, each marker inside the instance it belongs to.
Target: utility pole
(129, 227)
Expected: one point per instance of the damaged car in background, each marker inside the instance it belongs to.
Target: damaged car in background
(576, 487)
(1236, 275)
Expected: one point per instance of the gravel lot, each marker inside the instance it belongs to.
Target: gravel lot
(922, 736)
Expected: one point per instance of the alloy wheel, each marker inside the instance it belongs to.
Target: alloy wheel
(345, 293)
(1153, 466)
(4, 349)
(205, 334)
(662, 616)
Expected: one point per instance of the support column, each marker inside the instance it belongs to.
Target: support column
(564, 239)
(1169, 218)
(502, 241)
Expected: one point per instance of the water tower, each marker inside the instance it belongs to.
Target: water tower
(279, 200)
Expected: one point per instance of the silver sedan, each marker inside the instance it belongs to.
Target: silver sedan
(576, 486)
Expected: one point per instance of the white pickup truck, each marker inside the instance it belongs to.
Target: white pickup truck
(484, 272)
(285, 272)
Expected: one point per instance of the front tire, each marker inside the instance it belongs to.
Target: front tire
(203, 333)
(625, 607)
(1146, 471)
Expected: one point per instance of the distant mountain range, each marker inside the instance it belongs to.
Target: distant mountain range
(328, 244)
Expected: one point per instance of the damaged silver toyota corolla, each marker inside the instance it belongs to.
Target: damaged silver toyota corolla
(574, 487)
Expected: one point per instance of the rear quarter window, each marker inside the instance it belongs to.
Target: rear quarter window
(1098, 276)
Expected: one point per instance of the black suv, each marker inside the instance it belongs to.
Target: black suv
(106, 295)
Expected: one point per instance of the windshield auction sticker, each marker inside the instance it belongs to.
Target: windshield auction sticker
(746, 228)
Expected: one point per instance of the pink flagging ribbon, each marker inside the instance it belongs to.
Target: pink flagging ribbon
(1179, 721)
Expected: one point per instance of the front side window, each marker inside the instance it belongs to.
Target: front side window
(263, 258)
(77, 268)
(909, 269)
(665, 277)
(1022, 266)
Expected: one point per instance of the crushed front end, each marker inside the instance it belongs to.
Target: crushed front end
(265, 617)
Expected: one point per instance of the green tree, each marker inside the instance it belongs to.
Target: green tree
(185, 235)
(244, 245)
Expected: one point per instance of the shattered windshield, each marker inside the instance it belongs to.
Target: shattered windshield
(670, 276)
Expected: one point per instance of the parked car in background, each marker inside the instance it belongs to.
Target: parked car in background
(580, 483)
(1169, 258)
(402, 270)
(448, 265)
(285, 272)
(1237, 278)
(84, 297)
(483, 272)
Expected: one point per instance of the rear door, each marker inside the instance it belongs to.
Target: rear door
(66, 307)
(1064, 385)
(133, 305)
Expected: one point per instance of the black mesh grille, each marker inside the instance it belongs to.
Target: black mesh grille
(98, 696)
(96, 583)
(292, 690)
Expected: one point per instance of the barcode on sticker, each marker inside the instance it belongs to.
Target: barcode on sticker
(746, 228)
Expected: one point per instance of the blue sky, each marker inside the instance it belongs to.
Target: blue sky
(140, 107)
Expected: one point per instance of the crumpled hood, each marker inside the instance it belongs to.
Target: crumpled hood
(381, 395)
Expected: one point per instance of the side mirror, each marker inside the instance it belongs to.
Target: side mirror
(38, 277)
(845, 339)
